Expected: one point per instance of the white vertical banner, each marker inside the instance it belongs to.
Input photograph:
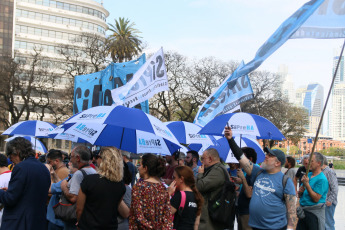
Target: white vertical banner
(150, 79)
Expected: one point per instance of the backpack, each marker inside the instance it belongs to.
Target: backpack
(284, 181)
(222, 208)
(180, 209)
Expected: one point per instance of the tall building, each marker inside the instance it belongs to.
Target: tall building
(288, 88)
(338, 111)
(313, 102)
(340, 74)
(45, 24)
(300, 95)
(337, 120)
(6, 26)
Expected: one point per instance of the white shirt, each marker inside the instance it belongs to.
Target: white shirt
(4, 179)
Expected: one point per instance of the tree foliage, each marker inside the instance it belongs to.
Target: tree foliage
(333, 151)
(124, 40)
(28, 88)
(87, 53)
(190, 83)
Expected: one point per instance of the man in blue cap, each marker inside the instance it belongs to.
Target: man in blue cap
(271, 191)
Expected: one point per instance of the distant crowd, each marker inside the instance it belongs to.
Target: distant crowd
(105, 190)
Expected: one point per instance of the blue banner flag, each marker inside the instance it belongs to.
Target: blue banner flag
(281, 35)
(327, 22)
(218, 103)
(94, 89)
(232, 92)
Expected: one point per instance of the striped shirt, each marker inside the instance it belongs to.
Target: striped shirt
(333, 185)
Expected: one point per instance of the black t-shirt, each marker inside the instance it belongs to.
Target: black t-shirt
(300, 172)
(243, 200)
(187, 219)
(102, 200)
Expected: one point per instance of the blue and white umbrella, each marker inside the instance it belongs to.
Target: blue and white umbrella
(58, 133)
(30, 128)
(243, 124)
(37, 145)
(125, 128)
(226, 154)
(188, 133)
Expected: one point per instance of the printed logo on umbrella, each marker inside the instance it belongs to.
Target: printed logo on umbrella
(82, 128)
(150, 142)
(45, 129)
(242, 127)
(197, 136)
(92, 116)
(163, 131)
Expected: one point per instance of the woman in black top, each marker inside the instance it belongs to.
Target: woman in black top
(189, 218)
(100, 194)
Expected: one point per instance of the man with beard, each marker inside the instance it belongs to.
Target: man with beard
(173, 163)
(290, 166)
(192, 160)
(270, 193)
(54, 158)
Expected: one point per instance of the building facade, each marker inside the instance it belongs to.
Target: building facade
(26, 25)
(337, 121)
(313, 102)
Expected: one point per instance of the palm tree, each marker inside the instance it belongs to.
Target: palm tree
(124, 41)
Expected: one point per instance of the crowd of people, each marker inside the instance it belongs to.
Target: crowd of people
(105, 190)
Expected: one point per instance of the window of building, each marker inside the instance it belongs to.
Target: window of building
(31, 30)
(59, 20)
(73, 8)
(59, 5)
(46, 2)
(31, 15)
(38, 31)
(52, 3)
(66, 6)
(58, 143)
(58, 35)
(65, 21)
(45, 33)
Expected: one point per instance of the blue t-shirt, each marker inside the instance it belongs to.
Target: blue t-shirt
(318, 184)
(267, 209)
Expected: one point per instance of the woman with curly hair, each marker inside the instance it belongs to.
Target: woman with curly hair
(101, 194)
(150, 207)
(189, 217)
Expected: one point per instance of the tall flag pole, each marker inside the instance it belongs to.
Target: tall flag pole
(324, 108)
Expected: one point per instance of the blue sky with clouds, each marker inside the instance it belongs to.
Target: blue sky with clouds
(228, 30)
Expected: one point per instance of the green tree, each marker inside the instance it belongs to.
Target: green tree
(333, 151)
(124, 40)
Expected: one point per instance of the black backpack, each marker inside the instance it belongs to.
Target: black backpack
(222, 208)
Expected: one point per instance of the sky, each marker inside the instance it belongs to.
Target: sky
(228, 30)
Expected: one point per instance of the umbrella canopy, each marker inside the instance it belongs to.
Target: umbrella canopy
(243, 124)
(37, 145)
(30, 128)
(58, 133)
(226, 154)
(188, 133)
(125, 128)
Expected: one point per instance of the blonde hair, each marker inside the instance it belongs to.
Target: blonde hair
(111, 166)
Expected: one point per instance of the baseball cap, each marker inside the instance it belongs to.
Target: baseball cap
(278, 153)
(126, 154)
